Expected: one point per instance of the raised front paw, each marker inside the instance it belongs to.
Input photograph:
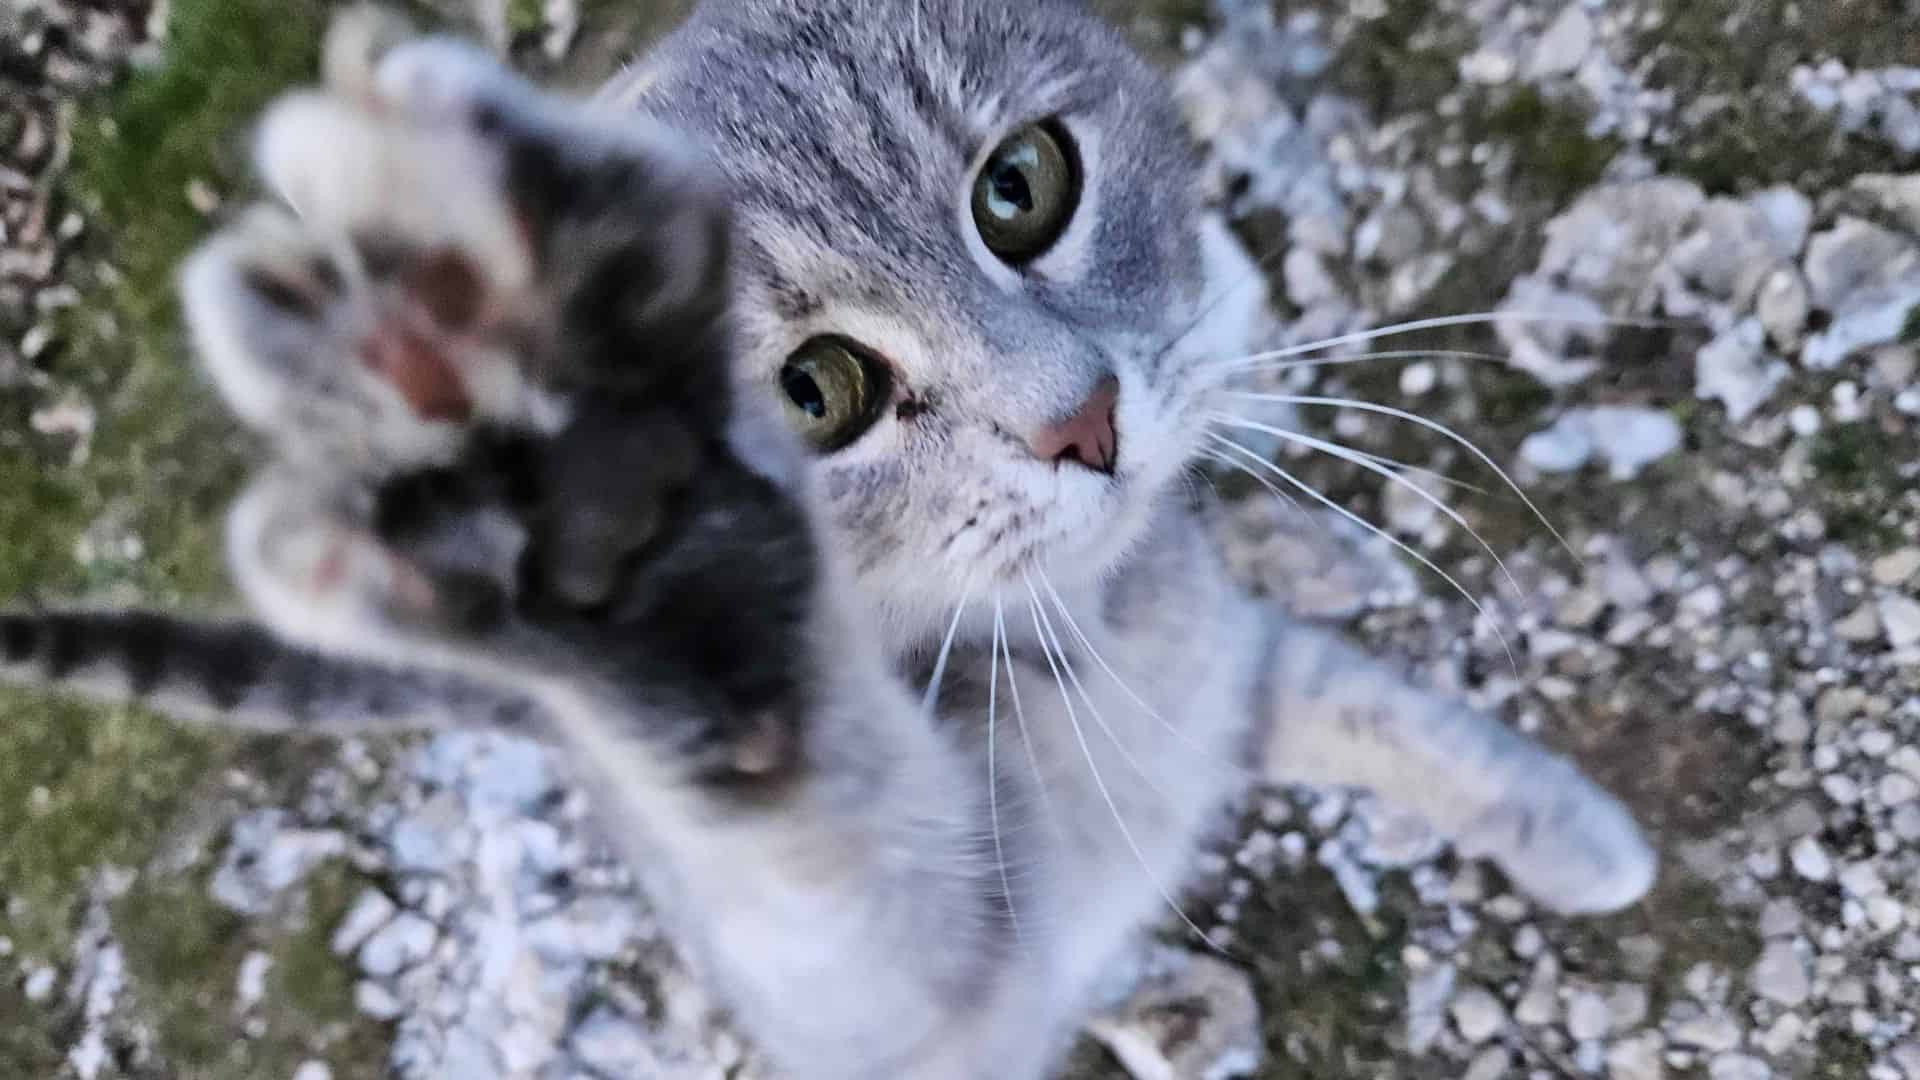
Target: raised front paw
(484, 332)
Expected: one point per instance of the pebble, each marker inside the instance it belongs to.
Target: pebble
(313, 1070)
(1428, 992)
(40, 983)
(612, 1045)
(1900, 618)
(1896, 568)
(1640, 1057)
(1780, 975)
(1588, 1016)
(1736, 370)
(1478, 1014)
(1711, 1032)
(1564, 45)
(1738, 1067)
(371, 910)
(1810, 860)
(1627, 438)
(400, 944)
(250, 984)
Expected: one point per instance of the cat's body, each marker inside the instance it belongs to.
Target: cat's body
(494, 355)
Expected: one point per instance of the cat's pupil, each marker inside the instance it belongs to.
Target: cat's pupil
(804, 392)
(1011, 189)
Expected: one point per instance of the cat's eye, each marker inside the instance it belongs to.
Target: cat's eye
(832, 391)
(1026, 192)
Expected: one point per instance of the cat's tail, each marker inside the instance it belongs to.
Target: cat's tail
(234, 674)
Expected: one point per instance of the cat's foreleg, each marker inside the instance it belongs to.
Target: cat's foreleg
(1332, 715)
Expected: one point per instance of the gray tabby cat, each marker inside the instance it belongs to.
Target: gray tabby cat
(844, 348)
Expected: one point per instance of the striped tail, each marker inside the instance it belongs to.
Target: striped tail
(234, 674)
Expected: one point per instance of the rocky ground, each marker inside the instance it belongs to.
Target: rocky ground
(1717, 201)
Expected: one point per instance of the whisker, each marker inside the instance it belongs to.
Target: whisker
(1431, 474)
(1260, 267)
(1341, 452)
(1080, 736)
(1241, 466)
(1086, 698)
(1086, 643)
(1478, 607)
(1359, 337)
(1267, 362)
(993, 774)
(1020, 720)
(1431, 425)
(932, 696)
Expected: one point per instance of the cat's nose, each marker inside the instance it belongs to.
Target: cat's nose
(1087, 436)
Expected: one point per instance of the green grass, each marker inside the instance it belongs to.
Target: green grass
(186, 953)
(82, 787)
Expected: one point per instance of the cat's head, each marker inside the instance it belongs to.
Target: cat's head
(969, 255)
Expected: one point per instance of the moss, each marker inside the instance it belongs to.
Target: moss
(80, 789)
(1403, 61)
(1851, 457)
(162, 456)
(1840, 1055)
(1910, 328)
(1737, 54)
(525, 16)
(184, 954)
(27, 1045)
(1554, 157)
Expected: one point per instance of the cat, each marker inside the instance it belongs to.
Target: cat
(797, 436)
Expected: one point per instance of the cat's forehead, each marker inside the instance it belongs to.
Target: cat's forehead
(852, 125)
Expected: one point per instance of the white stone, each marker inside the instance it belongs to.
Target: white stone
(1587, 1016)
(1478, 1014)
(1900, 617)
(1712, 1032)
(612, 1045)
(250, 985)
(371, 910)
(1564, 45)
(1418, 379)
(1735, 370)
(40, 983)
(1428, 992)
(1641, 1057)
(1491, 1064)
(313, 1070)
(399, 945)
(1782, 307)
(1738, 1067)
(375, 1001)
(1488, 67)
(1780, 975)
(1810, 860)
(1898, 789)
(1896, 568)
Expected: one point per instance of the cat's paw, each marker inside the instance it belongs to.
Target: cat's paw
(484, 333)
(1566, 843)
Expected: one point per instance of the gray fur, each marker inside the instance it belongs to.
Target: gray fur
(827, 850)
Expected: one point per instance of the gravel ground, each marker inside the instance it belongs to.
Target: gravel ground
(1725, 194)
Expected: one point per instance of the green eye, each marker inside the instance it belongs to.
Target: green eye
(1026, 192)
(832, 392)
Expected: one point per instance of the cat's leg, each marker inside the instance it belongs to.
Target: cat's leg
(1332, 715)
(530, 467)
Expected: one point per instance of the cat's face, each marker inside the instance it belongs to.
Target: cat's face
(957, 221)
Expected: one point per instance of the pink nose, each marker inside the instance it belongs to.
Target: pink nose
(1087, 437)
